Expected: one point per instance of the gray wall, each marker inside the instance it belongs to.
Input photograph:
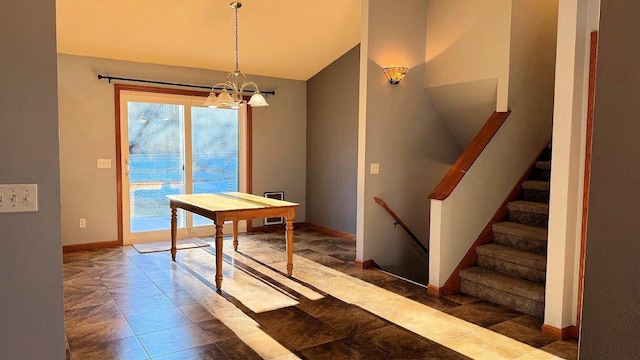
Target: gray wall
(87, 132)
(405, 136)
(31, 311)
(332, 144)
(611, 319)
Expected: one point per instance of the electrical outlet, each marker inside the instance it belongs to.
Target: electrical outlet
(104, 163)
(83, 223)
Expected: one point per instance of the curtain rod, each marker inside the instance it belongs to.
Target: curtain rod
(109, 78)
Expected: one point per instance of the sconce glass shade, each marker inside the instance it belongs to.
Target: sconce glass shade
(395, 73)
(257, 100)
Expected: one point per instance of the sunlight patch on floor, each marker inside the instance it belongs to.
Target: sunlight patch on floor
(464, 337)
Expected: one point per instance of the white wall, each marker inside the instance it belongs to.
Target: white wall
(87, 132)
(459, 219)
(465, 107)
(400, 131)
(468, 40)
(577, 19)
(31, 305)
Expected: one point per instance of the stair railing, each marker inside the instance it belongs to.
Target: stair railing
(469, 156)
(401, 223)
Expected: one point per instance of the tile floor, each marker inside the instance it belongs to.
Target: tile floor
(120, 304)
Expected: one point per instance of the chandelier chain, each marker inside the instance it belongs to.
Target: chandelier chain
(237, 66)
(231, 95)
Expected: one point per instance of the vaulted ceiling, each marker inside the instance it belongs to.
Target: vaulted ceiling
(278, 38)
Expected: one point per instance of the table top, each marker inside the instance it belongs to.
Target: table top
(229, 201)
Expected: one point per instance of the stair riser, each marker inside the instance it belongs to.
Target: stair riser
(541, 174)
(546, 154)
(517, 270)
(535, 195)
(518, 242)
(532, 219)
(518, 303)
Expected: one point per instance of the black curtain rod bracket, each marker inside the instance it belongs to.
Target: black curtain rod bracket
(110, 78)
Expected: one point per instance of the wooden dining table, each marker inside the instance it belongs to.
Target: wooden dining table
(232, 206)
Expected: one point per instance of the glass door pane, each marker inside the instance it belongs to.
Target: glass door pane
(215, 152)
(156, 158)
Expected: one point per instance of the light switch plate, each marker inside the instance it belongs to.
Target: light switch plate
(374, 169)
(18, 198)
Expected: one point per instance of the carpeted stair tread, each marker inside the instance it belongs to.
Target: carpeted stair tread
(496, 296)
(543, 165)
(515, 256)
(521, 230)
(514, 262)
(504, 283)
(529, 207)
(511, 271)
(536, 185)
(520, 236)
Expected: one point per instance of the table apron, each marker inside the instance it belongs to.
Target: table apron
(221, 216)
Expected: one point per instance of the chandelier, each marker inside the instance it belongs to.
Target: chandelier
(230, 96)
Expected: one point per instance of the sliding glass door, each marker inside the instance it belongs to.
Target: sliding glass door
(171, 144)
(214, 157)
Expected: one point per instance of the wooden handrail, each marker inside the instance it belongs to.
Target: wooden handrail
(469, 156)
(398, 221)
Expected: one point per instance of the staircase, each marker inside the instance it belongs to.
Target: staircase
(511, 271)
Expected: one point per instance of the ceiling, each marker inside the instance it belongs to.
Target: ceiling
(277, 38)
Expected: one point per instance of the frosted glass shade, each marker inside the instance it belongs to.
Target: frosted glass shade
(224, 99)
(211, 100)
(257, 100)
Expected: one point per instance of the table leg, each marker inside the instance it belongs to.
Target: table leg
(235, 235)
(174, 230)
(218, 256)
(289, 234)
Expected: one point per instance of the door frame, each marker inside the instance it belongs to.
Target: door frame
(118, 88)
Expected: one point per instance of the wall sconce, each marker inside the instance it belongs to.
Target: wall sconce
(395, 73)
